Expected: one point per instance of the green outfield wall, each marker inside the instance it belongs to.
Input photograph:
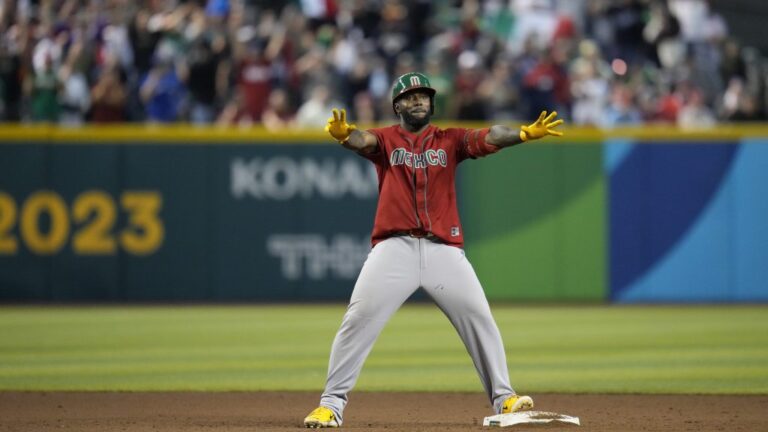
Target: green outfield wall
(535, 222)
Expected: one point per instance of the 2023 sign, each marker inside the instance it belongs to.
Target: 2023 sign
(93, 214)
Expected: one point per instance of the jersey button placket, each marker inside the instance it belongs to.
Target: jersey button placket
(422, 184)
(421, 202)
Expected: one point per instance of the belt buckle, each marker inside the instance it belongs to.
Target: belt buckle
(417, 233)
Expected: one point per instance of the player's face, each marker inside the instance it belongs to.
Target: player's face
(414, 107)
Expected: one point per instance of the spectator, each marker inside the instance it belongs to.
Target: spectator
(278, 115)
(470, 104)
(534, 19)
(732, 64)
(235, 114)
(699, 23)
(314, 112)
(746, 110)
(208, 73)
(108, 96)
(590, 95)
(626, 17)
(358, 81)
(546, 86)
(162, 91)
(667, 107)
(662, 33)
(49, 51)
(365, 111)
(590, 85)
(599, 27)
(42, 89)
(255, 75)
(694, 113)
(75, 98)
(319, 12)
(442, 81)
(394, 30)
(499, 92)
(11, 81)
(621, 110)
(113, 41)
(144, 40)
(737, 104)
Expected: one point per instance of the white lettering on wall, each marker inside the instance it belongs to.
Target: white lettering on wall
(284, 178)
(315, 257)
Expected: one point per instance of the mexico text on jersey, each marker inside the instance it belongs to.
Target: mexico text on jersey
(402, 156)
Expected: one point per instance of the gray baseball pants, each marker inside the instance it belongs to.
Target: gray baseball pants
(395, 269)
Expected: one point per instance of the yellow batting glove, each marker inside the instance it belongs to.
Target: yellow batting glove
(542, 127)
(338, 127)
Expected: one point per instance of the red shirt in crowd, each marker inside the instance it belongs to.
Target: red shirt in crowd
(255, 80)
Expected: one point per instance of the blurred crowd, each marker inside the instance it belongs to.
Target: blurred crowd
(285, 64)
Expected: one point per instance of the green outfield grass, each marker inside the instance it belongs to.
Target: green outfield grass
(697, 349)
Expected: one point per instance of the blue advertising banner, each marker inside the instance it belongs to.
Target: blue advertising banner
(687, 221)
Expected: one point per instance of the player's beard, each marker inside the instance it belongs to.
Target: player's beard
(416, 123)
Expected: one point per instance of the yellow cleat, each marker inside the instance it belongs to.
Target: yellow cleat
(322, 417)
(517, 403)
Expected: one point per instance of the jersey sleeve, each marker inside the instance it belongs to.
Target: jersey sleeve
(472, 145)
(379, 156)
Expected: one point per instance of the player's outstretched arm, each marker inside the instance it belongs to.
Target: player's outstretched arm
(348, 135)
(503, 136)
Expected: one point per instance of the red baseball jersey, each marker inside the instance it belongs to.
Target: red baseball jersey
(417, 179)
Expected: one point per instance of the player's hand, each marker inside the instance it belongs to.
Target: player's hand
(542, 127)
(338, 127)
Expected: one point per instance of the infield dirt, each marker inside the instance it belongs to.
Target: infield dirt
(284, 411)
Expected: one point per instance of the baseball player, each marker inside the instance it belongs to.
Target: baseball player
(417, 242)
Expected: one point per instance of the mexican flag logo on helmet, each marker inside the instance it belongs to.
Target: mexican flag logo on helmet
(412, 81)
